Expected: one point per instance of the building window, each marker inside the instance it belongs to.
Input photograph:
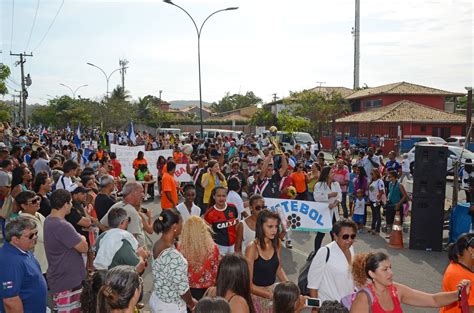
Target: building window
(443, 132)
(423, 129)
(392, 132)
(370, 104)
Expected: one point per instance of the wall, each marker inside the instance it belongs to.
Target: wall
(436, 102)
(194, 128)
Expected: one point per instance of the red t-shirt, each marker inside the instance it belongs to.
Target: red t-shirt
(117, 168)
(223, 223)
(286, 181)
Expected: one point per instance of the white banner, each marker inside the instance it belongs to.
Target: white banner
(302, 215)
(181, 175)
(126, 155)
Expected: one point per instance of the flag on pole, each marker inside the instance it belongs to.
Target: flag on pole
(68, 128)
(131, 133)
(40, 133)
(77, 137)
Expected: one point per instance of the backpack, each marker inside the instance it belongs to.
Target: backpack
(349, 299)
(303, 276)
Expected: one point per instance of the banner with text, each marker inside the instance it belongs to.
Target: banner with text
(126, 155)
(302, 215)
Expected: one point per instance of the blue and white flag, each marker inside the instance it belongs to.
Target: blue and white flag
(68, 128)
(77, 137)
(131, 133)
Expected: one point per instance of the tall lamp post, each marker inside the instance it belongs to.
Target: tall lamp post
(198, 32)
(73, 91)
(107, 78)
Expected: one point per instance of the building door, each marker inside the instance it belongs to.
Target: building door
(443, 132)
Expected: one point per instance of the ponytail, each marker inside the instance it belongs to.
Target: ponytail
(166, 220)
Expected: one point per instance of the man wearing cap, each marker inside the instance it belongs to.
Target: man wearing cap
(23, 287)
(78, 216)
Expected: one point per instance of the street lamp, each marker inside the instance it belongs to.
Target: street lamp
(107, 78)
(198, 32)
(73, 91)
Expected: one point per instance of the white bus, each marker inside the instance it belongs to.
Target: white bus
(213, 133)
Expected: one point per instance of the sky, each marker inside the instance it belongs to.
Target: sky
(266, 46)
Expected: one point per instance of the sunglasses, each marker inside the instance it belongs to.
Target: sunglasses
(347, 236)
(34, 201)
(260, 207)
(33, 235)
(204, 160)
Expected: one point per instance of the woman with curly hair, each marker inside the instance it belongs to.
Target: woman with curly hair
(90, 289)
(202, 254)
(374, 270)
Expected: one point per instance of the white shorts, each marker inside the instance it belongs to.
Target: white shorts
(223, 250)
(158, 306)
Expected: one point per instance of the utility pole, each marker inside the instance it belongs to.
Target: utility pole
(25, 81)
(468, 116)
(161, 91)
(274, 97)
(123, 69)
(356, 33)
(320, 84)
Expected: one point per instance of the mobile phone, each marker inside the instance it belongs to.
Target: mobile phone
(313, 302)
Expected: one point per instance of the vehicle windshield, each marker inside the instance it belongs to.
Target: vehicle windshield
(451, 140)
(303, 138)
(466, 154)
(437, 140)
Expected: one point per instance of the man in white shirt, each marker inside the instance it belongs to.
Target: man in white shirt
(239, 141)
(329, 276)
(370, 162)
(65, 180)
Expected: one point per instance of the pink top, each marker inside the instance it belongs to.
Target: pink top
(377, 308)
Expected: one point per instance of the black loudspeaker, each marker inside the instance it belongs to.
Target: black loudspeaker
(427, 220)
(429, 191)
(431, 162)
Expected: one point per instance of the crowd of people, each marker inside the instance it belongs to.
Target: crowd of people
(76, 237)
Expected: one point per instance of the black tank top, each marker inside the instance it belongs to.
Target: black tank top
(264, 271)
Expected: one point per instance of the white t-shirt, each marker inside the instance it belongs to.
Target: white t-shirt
(359, 206)
(239, 141)
(374, 189)
(65, 183)
(332, 279)
(195, 210)
(234, 198)
(405, 166)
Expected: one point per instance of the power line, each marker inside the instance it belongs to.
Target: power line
(33, 25)
(11, 80)
(50, 25)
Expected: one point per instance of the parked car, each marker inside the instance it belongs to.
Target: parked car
(432, 140)
(454, 153)
(457, 141)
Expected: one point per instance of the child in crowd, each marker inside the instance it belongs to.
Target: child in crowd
(350, 188)
(143, 175)
(405, 168)
(359, 210)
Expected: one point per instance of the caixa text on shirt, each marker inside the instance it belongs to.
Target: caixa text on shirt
(298, 207)
(227, 224)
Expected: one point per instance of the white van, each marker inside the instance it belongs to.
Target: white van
(289, 140)
(213, 133)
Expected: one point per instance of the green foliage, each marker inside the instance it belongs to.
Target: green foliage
(319, 108)
(158, 117)
(5, 112)
(235, 101)
(4, 73)
(263, 117)
(292, 123)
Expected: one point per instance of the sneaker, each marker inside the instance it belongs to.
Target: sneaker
(288, 244)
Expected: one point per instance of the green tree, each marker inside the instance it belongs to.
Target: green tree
(263, 117)
(4, 73)
(289, 122)
(5, 111)
(235, 101)
(159, 117)
(321, 109)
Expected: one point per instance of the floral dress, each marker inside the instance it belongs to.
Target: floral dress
(170, 272)
(204, 276)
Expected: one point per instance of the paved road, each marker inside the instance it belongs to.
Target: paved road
(418, 269)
